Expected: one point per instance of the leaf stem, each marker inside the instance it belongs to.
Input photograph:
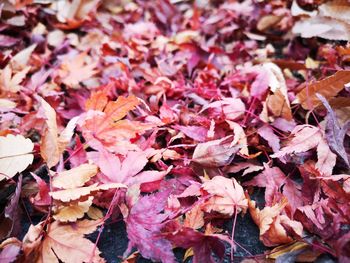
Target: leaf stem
(233, 233)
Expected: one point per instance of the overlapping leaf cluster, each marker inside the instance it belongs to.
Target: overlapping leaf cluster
(170, 115)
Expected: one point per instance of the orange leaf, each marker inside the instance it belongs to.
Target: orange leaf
(278, 106)
(97, 101)
(328, 88)
(49, 143)
(194, 218)
(272, 223)
(104, 125)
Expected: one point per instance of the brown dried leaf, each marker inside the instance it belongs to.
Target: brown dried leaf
(328, 88)
(49, 143)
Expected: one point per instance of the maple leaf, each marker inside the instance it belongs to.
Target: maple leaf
(202, 244)
(143, 226)
(73, 70)
(328, 87)
(49, 144)
(266, 132)
(215, 153)
(42, 198)
(102, 125)
(15, 155)
(232, 108)
(9, 81)
(72, 212)
(226, 196)
(335, 134)
(129, 171)
(75, 177)
(273, 179)
(239, 138)
(194, 218)
(21, 59)
(273, 225)
(62, 242)
(307, 137)
(73, 194)
(52, 145)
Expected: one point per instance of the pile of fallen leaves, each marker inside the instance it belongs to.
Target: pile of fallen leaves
(171, 115)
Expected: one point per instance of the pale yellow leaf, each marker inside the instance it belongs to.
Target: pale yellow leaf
(75, 177)
(15, 155)
(74, 211)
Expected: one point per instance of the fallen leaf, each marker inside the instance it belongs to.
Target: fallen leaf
(72, 212)
(328, 88)
(215, 153)
(105, 128)
(64, 242)
(15, 155)
(226, 196)
(49, 143)
(194, 218)
(10, 250)
(11, 217)
(307, 137)
(10, 81)
(75, 177)
(143, 226)
(74, 70)
(266, 132)
(273, 225)
(74, 194)
(335, 134)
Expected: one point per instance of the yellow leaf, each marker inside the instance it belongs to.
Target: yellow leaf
(278, 251)
(75, 177)
(68, 195)
(95, 213)
(72, 212)
(188, 253)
